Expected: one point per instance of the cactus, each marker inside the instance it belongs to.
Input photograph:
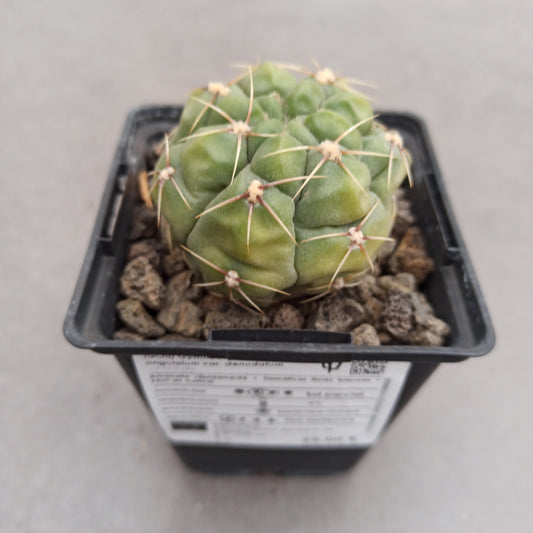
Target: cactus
(280, 185)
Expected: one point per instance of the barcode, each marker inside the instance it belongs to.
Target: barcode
(368, 367)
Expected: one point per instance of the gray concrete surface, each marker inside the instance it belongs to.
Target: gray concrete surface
(78, 450)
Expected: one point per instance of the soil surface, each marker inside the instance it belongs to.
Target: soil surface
(159, 299)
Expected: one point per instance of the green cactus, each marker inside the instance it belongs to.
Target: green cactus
(279, 187)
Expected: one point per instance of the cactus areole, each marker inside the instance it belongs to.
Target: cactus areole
(279, 184)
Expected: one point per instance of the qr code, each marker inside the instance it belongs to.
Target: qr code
(368, 367)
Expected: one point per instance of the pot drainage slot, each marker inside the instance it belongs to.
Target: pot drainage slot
(120, 189)
(279, 335)
(115, 222)
(441, 209)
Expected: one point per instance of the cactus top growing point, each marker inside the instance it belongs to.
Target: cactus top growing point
(279, 187)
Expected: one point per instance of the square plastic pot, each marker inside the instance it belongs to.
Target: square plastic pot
(276, 400)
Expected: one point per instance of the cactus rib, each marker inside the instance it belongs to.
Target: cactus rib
(161, 177)
(357, 238)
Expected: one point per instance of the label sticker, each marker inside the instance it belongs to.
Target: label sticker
(202, 400)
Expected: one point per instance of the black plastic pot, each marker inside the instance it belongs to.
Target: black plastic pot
(289, 400)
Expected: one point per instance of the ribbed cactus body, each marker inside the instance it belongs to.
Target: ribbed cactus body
(279, 186)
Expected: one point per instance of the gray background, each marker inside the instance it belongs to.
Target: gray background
(78, 450)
